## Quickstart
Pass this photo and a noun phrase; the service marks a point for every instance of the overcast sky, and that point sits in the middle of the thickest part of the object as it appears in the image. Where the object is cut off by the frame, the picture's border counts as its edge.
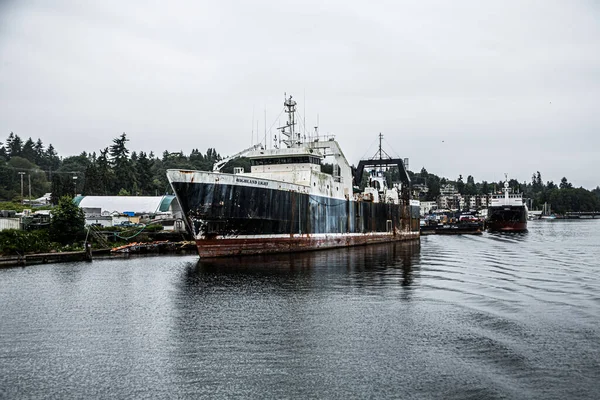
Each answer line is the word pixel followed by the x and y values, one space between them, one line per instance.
pixel 459 87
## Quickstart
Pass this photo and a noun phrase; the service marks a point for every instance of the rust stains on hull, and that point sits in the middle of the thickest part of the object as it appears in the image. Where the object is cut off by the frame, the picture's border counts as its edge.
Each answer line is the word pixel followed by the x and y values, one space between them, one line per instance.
pixel 210 248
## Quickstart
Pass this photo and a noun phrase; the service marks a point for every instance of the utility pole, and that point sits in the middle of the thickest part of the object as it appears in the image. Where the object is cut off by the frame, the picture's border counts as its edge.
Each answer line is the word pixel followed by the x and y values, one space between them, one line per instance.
pixel 21 173
pixel 75 184
pixel 29 179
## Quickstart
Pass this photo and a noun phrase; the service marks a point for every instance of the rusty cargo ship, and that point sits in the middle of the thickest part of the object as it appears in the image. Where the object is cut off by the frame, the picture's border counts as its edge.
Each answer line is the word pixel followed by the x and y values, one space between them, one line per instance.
pixel 286 203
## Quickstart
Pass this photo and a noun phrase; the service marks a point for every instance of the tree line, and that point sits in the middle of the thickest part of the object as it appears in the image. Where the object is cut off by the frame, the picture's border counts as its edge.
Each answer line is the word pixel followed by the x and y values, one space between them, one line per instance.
pixel 115 170
pixel 562 197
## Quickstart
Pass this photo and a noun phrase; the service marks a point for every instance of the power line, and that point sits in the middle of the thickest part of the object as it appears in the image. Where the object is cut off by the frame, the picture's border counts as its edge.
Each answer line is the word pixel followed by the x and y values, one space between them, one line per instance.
pixel 42 170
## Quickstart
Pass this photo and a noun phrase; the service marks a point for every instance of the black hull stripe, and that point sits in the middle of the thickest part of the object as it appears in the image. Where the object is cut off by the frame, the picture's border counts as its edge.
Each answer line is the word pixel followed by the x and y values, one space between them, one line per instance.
pixel 233 210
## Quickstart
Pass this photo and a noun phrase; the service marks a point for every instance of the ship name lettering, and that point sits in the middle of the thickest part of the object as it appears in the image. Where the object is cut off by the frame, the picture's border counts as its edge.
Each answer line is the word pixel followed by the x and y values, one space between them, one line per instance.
pixel 251 181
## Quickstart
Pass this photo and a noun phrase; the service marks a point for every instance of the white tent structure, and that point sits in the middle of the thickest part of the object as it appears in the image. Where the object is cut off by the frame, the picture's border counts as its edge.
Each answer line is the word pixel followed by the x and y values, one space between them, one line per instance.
pixel 113 210
pixel 138 205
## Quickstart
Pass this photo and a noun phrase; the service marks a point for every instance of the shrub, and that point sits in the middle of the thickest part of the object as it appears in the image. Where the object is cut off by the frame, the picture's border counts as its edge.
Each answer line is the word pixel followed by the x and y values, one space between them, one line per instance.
pixel 68 221
pixel 15 241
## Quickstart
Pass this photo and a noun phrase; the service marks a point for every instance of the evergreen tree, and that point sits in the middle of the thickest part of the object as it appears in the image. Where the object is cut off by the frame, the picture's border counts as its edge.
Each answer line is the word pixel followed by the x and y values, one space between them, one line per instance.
pixel 38 148
pixel 433 186
pixel 144 174
pixel 14 145
pixel 470 188
pixel 485 188
pixel 28 151
pixel 596 192
pixel 93 184
pixel 52 161
pixel 105 174
pixel 564 184
pixel 123 170
pixel 460 185
pixel 196 159
pixel 537 182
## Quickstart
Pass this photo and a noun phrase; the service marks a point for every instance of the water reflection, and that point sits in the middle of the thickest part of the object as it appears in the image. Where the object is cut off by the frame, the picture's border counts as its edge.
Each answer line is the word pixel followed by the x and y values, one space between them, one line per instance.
pixel 271 322
pixel 361 266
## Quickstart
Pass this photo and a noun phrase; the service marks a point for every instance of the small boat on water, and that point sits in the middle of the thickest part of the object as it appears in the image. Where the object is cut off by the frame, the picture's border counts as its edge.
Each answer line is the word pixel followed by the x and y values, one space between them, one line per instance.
pixel 507 212
pixel 467 224
pixel 547 212
pixel 287 203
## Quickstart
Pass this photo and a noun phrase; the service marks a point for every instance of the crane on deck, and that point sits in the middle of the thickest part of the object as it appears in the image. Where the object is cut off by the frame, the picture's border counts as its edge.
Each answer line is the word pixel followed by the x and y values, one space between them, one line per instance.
pixel 220 164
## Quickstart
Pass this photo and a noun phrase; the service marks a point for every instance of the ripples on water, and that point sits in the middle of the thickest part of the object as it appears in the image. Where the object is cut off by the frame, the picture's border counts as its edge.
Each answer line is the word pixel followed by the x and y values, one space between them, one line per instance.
pixel 489 316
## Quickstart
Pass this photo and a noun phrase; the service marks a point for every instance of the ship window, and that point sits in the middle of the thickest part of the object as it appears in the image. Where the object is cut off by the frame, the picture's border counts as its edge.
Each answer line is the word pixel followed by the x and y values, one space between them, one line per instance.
pixel 286 160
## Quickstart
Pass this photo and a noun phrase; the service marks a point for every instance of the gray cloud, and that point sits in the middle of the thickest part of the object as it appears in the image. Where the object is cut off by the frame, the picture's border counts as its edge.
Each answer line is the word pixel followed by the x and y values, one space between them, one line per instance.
pixel 464 87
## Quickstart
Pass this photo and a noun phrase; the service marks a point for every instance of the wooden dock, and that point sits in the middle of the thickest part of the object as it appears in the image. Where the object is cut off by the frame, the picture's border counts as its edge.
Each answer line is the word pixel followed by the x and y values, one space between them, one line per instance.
pixel 45 258
pixel 162 247
pixel 583 215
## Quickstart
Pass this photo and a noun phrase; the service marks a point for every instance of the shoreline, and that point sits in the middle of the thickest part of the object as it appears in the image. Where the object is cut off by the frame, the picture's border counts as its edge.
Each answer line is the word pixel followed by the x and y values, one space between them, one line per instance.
pixel 134 249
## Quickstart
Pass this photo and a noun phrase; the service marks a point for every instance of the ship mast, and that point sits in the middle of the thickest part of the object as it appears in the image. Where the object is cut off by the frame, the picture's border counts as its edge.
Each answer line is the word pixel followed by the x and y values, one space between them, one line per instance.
pixel 506 189
pixel 288 130
pixel 381 152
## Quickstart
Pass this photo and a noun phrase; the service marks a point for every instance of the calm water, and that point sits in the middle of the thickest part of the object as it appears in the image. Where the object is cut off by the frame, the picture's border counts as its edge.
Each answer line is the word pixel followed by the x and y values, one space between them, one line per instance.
pixel 491 316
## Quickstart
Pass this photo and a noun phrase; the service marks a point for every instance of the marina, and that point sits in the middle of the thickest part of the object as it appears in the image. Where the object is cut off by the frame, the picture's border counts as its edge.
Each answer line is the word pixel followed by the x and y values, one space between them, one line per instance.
pixel 308 200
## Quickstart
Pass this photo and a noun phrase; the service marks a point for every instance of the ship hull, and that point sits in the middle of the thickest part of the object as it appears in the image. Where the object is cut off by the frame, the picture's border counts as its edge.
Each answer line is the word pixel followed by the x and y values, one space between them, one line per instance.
pixel 231 216
pixel 269 244
pixel 507 219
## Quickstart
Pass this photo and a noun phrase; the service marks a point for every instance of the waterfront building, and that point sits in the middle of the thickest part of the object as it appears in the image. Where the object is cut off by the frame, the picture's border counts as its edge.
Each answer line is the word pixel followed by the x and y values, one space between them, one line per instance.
pixel 120 210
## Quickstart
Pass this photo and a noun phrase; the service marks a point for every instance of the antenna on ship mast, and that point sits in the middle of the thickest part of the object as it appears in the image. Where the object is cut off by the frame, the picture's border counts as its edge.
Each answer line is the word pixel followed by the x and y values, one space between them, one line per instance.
pixel 290 109
pixel 505 188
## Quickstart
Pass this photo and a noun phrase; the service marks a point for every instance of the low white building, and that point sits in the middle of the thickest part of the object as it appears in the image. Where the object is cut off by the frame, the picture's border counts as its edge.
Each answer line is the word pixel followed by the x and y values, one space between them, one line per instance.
pixel 427 207
pixel 9 222
pixel 114 210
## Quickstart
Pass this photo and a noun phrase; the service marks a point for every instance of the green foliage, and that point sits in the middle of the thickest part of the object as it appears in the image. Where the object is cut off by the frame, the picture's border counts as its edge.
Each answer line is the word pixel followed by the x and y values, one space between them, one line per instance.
pixel 12 205
pixel 18 242
pixel 68 221
pixel 243 162
pixel 570 199
pixel 153 228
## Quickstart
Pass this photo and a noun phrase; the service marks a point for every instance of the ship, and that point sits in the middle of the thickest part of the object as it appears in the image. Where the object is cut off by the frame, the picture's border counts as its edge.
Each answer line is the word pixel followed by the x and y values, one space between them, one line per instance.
pixel 507 211
pixel 289 201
